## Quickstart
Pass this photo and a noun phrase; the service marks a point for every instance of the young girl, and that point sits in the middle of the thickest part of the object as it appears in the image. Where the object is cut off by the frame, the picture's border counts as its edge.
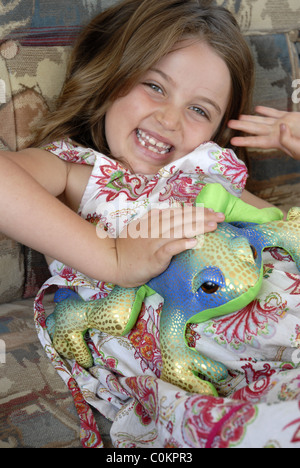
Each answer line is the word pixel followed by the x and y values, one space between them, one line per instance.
pixel 175 81
pixel 149 83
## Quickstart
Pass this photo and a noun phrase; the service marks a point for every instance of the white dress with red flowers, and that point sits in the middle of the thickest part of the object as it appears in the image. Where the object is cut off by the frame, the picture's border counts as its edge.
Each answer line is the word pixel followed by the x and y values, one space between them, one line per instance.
pixel 258 405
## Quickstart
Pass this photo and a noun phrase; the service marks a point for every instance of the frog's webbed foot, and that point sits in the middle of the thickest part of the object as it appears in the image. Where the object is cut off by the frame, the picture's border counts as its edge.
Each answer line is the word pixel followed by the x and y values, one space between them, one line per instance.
pixel 62 347
pixel 116 315
pixel 75 347
pixel 182 366
pixel 294 214
pixel 67 326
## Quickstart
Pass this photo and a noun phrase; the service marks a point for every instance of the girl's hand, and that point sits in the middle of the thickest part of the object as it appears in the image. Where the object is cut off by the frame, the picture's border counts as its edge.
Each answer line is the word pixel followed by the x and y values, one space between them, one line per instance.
pixel 270 129
pixel 146 247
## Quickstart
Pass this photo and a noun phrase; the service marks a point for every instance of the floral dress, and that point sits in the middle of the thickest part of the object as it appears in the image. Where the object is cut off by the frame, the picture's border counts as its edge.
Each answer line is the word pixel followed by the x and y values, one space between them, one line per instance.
pixel 258 404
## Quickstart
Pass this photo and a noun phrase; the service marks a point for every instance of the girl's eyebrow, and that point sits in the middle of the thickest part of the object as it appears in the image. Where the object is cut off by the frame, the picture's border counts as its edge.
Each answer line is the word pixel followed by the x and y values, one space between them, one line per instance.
pixel 201 98
pixel 164 75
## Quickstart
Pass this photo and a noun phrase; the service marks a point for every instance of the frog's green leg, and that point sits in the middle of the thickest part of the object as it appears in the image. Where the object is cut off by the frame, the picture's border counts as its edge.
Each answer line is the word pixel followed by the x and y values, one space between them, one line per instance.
pixel 62 347
pixel 182 365
pixel 117 313
pixel 79 349
pixel 70 326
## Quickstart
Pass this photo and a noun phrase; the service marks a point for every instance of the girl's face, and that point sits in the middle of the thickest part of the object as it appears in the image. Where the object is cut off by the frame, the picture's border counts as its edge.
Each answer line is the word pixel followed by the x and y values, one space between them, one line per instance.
pixel 177 105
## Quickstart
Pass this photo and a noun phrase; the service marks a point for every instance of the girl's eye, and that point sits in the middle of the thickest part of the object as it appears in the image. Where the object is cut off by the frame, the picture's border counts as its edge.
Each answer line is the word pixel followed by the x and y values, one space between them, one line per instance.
pixel 155 87
pixel 199 111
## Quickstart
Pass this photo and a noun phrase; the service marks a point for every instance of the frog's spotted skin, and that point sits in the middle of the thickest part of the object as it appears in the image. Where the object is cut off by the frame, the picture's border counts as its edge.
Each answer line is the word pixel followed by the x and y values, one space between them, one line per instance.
pixel 230 258
pixel 221 277
pixel 72 317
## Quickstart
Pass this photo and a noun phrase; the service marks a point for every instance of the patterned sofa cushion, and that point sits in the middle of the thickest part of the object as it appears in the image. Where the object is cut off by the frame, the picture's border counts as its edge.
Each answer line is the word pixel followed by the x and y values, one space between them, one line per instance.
pixel 11 269
pixel 35 40
pixel 32 77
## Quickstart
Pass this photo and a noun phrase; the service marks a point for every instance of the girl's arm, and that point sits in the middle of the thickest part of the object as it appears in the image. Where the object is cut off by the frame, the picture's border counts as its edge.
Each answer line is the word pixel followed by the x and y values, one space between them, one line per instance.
pixel 31 214
pixel 253 200
pixel 31 180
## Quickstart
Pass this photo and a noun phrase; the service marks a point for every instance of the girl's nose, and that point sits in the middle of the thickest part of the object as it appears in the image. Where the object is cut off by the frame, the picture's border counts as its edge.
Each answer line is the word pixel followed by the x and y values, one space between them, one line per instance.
pixel 169 117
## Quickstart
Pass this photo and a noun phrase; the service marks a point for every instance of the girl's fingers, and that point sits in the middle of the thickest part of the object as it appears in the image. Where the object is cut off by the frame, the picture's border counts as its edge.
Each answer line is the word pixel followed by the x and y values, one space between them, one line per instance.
pixel 189 221
pixel 270 112
pixel 155 238
pixel 175 246
pixel 260 125
pixel 252 142
pixel 244 142
pixel 250 126
pixel 168 250
pixel 258 119
pixel 290 144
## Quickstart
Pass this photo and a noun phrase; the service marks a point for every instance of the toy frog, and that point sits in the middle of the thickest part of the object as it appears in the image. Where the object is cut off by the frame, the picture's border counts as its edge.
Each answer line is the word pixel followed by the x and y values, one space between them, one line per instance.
pixel 222 276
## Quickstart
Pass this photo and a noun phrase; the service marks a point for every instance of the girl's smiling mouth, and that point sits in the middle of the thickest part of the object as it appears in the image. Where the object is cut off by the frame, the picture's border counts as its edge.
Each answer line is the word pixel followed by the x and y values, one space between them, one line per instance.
pixel 153 144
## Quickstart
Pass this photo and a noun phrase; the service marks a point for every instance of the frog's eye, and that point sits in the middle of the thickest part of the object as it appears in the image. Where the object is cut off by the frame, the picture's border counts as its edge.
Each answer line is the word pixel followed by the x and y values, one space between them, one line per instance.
pixel 209 287
pixel 208 280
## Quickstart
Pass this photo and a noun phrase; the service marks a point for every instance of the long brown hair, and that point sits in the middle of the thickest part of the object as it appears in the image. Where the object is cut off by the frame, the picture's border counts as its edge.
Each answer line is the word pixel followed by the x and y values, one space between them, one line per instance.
pixel 119 45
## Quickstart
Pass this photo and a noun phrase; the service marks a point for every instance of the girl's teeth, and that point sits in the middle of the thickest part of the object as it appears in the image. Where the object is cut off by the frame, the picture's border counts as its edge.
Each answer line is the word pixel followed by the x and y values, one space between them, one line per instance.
pixel 153 145
pixel 155 150
pixel 151 141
